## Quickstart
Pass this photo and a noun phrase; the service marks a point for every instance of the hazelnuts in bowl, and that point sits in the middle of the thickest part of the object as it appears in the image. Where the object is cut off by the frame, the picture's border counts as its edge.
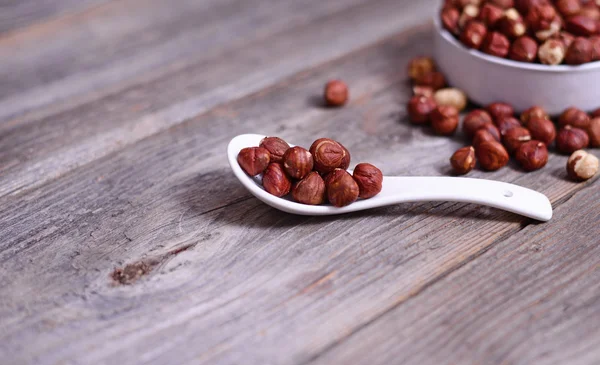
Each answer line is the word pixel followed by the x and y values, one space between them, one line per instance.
pixel 312 176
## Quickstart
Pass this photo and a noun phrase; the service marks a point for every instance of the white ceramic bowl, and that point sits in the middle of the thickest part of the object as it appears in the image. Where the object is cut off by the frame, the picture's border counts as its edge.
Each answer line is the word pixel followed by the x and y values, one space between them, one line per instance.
pixel 487 79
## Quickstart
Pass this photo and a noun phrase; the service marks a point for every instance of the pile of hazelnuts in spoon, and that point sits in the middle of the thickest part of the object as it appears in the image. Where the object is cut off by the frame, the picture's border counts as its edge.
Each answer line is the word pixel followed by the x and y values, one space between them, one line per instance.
pixel 313 176
pixel 544 31
pixel 494 131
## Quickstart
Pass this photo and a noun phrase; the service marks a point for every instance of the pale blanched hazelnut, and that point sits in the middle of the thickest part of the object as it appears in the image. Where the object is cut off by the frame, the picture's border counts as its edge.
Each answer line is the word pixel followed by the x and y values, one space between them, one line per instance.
pixel 582 165
pixel 451 97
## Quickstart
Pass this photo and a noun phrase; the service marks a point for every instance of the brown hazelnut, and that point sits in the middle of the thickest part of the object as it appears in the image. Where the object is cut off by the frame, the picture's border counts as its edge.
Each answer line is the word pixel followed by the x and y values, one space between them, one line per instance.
pixel 341 188
pixel 575 118
pixel 426 91
pixel 483 135
pixel 581 26
pixel 419 67
pixel 276 147
pixel 595 40
pixel 523 6
pixel 310 190
pixel 450 16
pixel 566 38
pixel 327 155
pixel 298 162
pixel 369 180
pixel 499 110
pixel 444 120
pixel 469 13
pixel 434 80
pixel 579 52
pixel 568 7
pixel 253 160
pixel 532 155
pixel 346 159
pixel 336 93
pixel 582 166
pixel 593 132
pixel 496 44
pixel 511 24
pixel 503 4
pixel 514 137
pixel 451 96
pixel 507 123
pixel 540 17
pixel 570 139
pixel 552 52
pixel 419 109
pixel 542 130
pixel 275 181
pixel 524 49
pixel 491 155
pixel 535 112
pixel 590 10
pixel 490 14
pixel 596 113
pixel 475 120
pixel 473 34
pixel 463 160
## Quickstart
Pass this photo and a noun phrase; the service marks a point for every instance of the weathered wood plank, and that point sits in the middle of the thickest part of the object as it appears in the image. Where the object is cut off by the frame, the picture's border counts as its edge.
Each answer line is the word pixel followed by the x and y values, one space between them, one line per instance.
pixel 532 299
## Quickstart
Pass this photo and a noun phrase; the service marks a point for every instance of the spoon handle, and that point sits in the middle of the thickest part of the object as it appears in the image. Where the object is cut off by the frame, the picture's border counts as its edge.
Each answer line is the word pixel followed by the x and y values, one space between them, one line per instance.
pixel 510 197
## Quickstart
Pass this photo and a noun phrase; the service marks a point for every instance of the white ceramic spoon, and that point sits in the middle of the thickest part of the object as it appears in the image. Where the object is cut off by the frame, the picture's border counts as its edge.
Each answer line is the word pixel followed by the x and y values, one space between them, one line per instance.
pixel 510 197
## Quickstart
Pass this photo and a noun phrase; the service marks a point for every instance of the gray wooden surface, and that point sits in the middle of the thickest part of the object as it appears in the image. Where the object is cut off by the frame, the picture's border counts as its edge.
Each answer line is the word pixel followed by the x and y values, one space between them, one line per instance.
pixel 124 237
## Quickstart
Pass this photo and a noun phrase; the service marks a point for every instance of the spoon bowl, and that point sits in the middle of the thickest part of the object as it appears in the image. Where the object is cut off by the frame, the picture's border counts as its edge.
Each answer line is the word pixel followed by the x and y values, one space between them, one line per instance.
pixel 404 189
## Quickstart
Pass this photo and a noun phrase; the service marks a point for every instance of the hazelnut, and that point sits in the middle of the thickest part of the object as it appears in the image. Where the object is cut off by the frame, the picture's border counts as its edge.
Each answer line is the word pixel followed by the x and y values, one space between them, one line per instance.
pixel 275 181
pixel 590 10
pixel 524 5
pixel 552 52
pixel 336 93
pixel 593 132
pixel 419 109
pixel 507 123
pixel 327 155
pixel 483 135
pixel 566 39
pixel 419 67
pixel 551 32
pixel 475 120
pixel 532 155
pixel 496 44
pixel 499 110
pixel 524 49
pixel 582 166
pixel 450 18
pixel 298 162
pixel 473 34
pixel 310 190
pixel 580 25
pixel 463 160
pixel 423 91
pixel 491 155
pixel 341 188
pixel 570 139
pixel 535 112
pixel 346 159
pixel 369 180
pixel 434 80
pixel 596 113
pixel 595 40
pixel 469 13
pixel 444 120
pixel 276 147
pixel 568 7
pixel 254 160
pixel 451 96
pixel 511 24
pixel 490 14
pixel 575 118
pixel 514 137
pixel 542 130
pixel 579 52
pixel 503 4
pixel 540 17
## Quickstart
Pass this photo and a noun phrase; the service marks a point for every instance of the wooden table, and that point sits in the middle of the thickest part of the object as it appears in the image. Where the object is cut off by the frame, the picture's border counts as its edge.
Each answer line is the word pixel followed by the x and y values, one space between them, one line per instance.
pixel 125 238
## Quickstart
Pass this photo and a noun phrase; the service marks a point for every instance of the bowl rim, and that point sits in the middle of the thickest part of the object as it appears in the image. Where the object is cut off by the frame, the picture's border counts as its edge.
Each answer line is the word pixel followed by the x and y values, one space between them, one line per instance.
pixel 448 37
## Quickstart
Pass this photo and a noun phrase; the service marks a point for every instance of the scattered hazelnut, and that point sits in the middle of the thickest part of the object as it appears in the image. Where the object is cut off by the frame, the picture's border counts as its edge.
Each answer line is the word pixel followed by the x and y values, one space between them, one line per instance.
pixel 582 166
pixel 511 24
pixel 450 17
pixel 507 123
pixel 276 147
pixel 490 14
pixel 369 180
pixel 463 160
pixel 475 120
pixel 310 190
pixel 275 181
pixel 419 67
pixel 524 49
pixel 473 34
pixel 514 137
pixel 327 155
pixel 593 132
pixel 499 110
pixel 581 25
pixel 298 162
pixel 575 118
pixel 336 93
pixel 579 52
pixel 496 44
pixel 451 96
pixel 568 7
pixel 434 80
pixel 419 109
pixel 254 160
pixel 346 159
pixel 552 52
pixel 483 135
pixel 535 112
pixel 542 130
pixel 532 155
pixel 491 155
pixel 469 13
pixel 423 91
pixel 444 120
pixel 570 139
pixel 341 188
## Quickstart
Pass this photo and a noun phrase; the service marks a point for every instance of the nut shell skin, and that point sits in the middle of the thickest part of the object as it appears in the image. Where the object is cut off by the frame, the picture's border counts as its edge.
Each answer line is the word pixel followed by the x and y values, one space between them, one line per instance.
pixel 335 93
pixel 328 155
pixel 582 166
pixel 444 120
pixel 492 156
pixel 535 112
pixel 500 110
pixel 310 190
pixel 575 118
pixel 419 109
pixel 276 147
pixel 254 160
pixel 594 132
pixel 524 49
pixel 542 130
pixel 450 17
pixel 505 124
pixel 580 52
pixel 514 137
pixel 473 34
pixel 341 188
pixel 275 181
pixel 532 155
pixel 475 120
pixel 369 180
pixel 463 160
pixel 569 140
pixel 496 44
pixel 483 135
pixel 418 67
pixel 297 162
